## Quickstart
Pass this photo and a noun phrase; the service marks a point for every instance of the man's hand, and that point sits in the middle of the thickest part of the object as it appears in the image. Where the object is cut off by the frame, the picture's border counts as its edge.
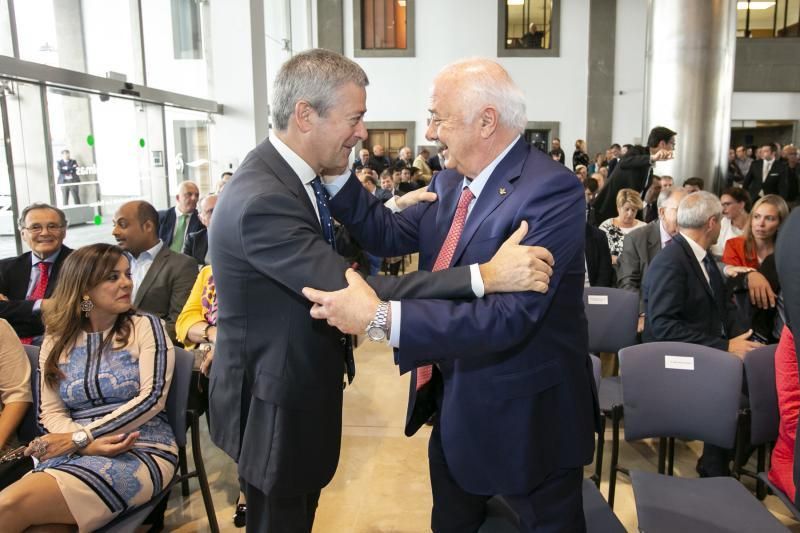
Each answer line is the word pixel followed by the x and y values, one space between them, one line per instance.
pixel 733 271
pixel 661 155
pixel 414 197
pixel 208 358
pixel 350 309
pixel 640 324
pixel 740 345
pixel 3 297
pixel 516 267
pixel 761 294
pixel 111 445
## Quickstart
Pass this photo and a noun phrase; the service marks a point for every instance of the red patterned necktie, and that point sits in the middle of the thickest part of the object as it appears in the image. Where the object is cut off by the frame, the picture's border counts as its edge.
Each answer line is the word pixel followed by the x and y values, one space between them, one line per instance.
pixel 424 373
pixel 38 291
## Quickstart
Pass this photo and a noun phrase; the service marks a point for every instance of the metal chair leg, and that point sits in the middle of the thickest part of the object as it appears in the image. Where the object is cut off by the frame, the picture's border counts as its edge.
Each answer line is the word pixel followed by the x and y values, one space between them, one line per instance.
pixel 761 487
pixel 616 415
pixel 601 439
pixel 200 468
pixel 662 455
pixel 671 455
pixel 183 470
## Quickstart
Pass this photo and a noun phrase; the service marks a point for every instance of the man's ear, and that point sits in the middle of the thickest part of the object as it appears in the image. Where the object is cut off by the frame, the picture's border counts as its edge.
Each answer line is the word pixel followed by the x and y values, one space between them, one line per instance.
pixel 489 120
pixel 304 116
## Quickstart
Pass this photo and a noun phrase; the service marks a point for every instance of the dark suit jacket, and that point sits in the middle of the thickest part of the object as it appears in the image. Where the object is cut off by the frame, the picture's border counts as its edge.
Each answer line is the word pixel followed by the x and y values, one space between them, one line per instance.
pixel 511 376
pixel 787 261
pixel 15 275
pixel 433 162
pixel 379 164
pixel 777 182
pixel 598 258
pixel 166 287
pixel 166 225
pixel 383 194
pixel 638 250
pixel 196 245
pixel 679 301
pixel 631 172
pixel 276 383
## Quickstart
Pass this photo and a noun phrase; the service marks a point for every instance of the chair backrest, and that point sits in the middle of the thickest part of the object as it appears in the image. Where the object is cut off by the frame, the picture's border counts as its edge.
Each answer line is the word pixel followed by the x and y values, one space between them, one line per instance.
pixel 178 398
pixel 596 370
pixel 612 315
pixel 28 429
pixel 759 372
pixel 675 389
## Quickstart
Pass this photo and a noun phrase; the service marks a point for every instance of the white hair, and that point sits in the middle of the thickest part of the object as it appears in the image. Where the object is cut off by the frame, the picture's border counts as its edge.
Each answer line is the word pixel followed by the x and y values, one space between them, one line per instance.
pixel 695 210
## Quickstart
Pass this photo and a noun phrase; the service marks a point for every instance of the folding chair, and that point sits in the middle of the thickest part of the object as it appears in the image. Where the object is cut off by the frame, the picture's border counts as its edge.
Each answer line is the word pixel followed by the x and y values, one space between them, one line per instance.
pixel 689 392
pixel 759 372
pixel 613 315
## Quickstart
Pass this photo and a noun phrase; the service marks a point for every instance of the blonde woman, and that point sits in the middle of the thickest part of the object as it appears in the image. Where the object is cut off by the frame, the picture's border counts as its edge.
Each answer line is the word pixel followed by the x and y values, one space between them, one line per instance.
pixel 629 202
pixel 760 233
pixel 105 374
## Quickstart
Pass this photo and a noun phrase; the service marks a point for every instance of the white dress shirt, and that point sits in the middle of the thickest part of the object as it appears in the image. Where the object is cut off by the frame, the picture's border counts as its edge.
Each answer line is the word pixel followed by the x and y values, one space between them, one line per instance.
pixel 699 254
pixel 300 167
pixel 140 265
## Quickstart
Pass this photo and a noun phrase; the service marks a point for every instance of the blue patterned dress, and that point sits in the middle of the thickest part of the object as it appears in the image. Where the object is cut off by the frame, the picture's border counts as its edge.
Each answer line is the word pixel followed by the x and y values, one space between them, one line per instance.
pixel 121 391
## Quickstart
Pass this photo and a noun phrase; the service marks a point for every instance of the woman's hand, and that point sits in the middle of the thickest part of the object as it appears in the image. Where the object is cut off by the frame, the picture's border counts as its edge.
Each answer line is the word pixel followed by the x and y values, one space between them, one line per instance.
pixel 50 445
pixel 111 445
pixel 208 358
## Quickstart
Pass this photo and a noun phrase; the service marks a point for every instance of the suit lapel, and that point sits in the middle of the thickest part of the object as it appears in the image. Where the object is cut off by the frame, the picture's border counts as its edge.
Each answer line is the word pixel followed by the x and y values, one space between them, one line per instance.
pixel 449 190
pixel 19 277
pixel 497 189
pixel 284 173
pixel 159 262
pixel 51 284
pixel 654 240
pixel 695 265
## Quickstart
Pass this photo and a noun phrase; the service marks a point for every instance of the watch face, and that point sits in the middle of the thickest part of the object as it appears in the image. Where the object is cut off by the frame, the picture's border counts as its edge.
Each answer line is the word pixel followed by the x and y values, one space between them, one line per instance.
pixel 376 334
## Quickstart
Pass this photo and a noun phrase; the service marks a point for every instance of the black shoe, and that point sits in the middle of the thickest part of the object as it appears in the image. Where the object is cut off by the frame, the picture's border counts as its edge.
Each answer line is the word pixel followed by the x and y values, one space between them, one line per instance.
pixel 240 518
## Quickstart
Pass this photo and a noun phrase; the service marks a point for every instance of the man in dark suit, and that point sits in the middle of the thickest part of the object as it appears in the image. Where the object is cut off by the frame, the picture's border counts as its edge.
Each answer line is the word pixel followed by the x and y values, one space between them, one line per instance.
pixel 175 223
pixel 379 161
pixel 68 173
pixel 162 279
pixel 196 244
pixel 641 246
pixel 767 176
pixel 686 301
pixel 362 160
pixel 500 374
pixel 599 270
pixel 634 171
pixel 436 162
pixel 276 382
pixel 614 153
pixel 28 280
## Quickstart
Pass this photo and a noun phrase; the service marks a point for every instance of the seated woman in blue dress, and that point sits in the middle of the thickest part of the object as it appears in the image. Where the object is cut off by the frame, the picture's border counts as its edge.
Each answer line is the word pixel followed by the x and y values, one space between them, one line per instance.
pixel 105 372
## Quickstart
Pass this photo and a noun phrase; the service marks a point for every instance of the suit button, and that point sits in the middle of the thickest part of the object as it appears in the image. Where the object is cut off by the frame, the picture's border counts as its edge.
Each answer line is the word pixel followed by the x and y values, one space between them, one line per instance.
pixel 343 340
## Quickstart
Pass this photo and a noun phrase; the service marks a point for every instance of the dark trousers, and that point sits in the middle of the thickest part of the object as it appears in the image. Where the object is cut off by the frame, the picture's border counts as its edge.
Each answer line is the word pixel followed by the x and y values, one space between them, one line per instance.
pixel 275 514
pixel 554 506
pixel 73 189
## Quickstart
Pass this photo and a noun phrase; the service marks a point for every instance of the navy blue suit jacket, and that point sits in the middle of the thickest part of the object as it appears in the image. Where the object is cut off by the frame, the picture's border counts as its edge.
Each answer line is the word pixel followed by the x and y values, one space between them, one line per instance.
pixel 166 225
pixel 679 303
pixel 518 399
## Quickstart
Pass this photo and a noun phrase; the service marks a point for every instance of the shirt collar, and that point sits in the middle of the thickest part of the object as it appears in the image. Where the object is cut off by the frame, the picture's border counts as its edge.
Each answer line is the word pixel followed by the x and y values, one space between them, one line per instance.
pixel 699 253
pixel 479 182
pixel 665 236
pixel 179 213
pixel 298 164
pixel 49 259
pixel 151 253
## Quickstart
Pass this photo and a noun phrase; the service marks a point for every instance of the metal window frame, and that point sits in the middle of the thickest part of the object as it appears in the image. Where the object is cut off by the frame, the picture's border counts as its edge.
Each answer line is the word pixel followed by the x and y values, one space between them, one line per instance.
pixel 358 27
pixel 555 34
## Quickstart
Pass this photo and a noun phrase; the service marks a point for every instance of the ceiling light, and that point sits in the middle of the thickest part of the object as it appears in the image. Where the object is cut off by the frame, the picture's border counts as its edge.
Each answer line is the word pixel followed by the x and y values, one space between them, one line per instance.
pixel 742 6
pixel 515 2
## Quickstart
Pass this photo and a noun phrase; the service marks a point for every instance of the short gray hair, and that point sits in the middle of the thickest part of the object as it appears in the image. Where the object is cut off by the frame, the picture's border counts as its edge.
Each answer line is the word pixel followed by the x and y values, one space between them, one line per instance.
pixel 313 76
pixel 666 194
pixel 40 205
pixel 695 210
pixel 487 88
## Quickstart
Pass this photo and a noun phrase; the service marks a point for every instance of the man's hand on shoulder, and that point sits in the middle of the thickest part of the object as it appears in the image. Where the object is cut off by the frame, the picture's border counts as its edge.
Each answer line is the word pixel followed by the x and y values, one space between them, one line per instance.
pixel 414 197
pixel 516 267
pixel 350 309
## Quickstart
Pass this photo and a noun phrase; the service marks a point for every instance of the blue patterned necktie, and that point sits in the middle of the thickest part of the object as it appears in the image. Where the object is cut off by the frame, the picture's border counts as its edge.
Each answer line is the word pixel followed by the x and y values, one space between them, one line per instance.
pixel 326 221
pixel 325 218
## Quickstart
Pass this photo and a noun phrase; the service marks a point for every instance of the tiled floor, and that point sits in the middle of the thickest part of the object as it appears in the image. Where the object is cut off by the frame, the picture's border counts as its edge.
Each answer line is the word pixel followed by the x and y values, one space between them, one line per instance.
pixel 382 484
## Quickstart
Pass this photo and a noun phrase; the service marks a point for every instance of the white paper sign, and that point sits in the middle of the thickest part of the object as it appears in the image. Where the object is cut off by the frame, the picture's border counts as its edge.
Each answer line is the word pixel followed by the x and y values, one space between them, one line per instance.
pixel 677 362
pixel 598 299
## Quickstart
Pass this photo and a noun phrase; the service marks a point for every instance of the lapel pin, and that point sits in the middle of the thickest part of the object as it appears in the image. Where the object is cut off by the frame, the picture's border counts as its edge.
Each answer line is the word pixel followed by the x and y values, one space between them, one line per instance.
pixel 502 191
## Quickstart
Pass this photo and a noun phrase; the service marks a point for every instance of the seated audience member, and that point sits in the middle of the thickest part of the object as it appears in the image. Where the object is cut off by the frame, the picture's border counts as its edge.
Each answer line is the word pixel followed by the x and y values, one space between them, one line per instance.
pixel 196 244
pixel 361 161
pixel 223 180
pixel 787 258
pixel 686 301
pixel 15 399
pixel 599 271
pixel 379 161
pixel 758 240
pixel 175 223
pixel 397 180
pixel 28 280
pixel 407 181
pixel 196 328
pixel 404 157
pixel 105 374
pixel 735 207
pixel 641 246
pixel 598 162
pixel 628 204
pixel 387 183
pixel 579 156
pixel 693 185
pixel 162 279
pixel 421 164
pixel 367 179
pixel 600 178
pixel 666 182
pixel 437 162
pixel 590 191
pixel 581 172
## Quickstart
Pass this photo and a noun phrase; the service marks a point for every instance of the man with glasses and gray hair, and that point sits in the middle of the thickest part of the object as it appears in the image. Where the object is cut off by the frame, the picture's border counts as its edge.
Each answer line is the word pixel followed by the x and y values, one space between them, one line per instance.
pixel 684 294
pixel 26 281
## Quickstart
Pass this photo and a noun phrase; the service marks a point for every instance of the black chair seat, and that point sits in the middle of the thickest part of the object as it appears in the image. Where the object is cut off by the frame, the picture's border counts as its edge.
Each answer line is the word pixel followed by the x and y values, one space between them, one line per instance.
pixel 720 504
pixel 610 393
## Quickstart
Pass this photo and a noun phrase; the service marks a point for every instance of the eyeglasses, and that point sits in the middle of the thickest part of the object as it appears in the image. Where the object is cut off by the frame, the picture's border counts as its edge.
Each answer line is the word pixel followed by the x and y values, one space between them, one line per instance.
pixel 38 228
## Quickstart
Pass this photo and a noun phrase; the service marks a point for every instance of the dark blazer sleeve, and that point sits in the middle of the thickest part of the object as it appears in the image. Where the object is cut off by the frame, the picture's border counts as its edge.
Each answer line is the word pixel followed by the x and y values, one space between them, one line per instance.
pixel 598 258
pixel 166 225
pixel 787 261
pixel 665 301
pixel 14 279
pixel 183 272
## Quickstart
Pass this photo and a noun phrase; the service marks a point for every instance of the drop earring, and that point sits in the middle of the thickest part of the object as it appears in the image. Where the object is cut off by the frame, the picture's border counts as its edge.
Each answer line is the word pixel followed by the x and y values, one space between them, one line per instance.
pixel 86 305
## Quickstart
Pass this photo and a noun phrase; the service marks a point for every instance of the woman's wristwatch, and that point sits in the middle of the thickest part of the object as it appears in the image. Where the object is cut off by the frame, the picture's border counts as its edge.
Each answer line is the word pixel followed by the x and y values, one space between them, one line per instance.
pixel 205 332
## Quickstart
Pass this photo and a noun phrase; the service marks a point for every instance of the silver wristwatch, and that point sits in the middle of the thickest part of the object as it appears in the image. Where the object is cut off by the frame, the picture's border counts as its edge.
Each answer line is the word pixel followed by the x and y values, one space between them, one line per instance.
pixel 80 439
pixel 378 329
